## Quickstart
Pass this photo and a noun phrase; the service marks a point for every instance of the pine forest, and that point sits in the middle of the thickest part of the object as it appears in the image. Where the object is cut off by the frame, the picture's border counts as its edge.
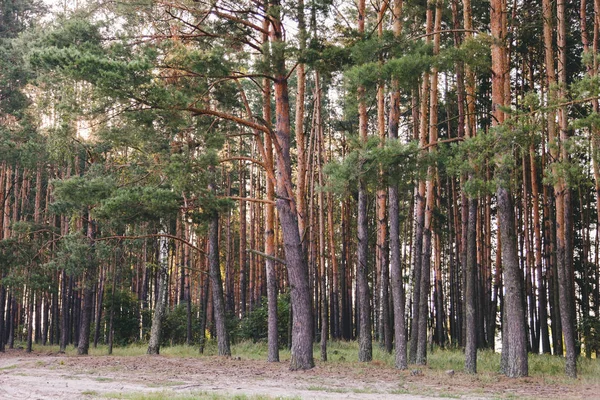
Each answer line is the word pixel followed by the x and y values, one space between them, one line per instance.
pixel 412 175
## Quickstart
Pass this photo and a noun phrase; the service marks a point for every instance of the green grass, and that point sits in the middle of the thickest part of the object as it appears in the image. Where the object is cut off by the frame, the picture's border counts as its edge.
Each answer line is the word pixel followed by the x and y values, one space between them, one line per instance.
pixel 340 352
pixel 189 396
pixel 326 389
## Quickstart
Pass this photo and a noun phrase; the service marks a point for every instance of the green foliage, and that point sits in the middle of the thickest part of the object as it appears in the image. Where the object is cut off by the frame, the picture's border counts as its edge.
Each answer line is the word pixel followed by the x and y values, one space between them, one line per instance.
pixel 125 319
pixel 174 328
pixel 81 191
pixel 133 204
pixel 254 326
pixel 410 61
pixel 326 58
pixel 400 163
pixel 75 254
pixel 590 327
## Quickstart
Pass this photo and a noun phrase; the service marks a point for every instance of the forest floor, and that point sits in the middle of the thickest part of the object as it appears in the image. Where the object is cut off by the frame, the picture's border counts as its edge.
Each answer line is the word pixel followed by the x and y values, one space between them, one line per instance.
pixel 50 375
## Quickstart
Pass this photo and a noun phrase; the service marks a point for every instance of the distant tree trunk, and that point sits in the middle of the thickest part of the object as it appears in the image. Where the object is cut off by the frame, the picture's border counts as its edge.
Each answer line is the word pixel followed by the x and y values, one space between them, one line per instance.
pixel 243 245
pixel 46 317
pixel 345 288
pixel 204 308
pixel 161 303
pixel 2 317
pixel 12 306
pixel 111 327
pixel 30 305
pixel 83 343
pixel 99 304
pixel 3 200
pixel 217 286
pixel 336 274
pixel 64 337
pixel 321 203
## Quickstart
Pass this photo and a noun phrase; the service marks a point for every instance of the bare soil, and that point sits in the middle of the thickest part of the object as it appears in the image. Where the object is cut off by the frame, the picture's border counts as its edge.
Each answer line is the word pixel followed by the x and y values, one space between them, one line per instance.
pixel 56 376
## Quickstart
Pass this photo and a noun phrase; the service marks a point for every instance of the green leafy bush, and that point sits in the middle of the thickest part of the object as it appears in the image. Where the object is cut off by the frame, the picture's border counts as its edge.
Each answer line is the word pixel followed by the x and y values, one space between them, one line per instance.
pixel 174 329
pixel 125 319
pixel 255 325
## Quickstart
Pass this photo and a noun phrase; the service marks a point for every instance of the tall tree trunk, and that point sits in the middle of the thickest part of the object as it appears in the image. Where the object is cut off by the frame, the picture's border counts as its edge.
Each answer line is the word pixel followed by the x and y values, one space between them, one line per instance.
pixel 302 331
pixel 382 266
pixel 398 294
pixel 563 209
pixel 419 246
pixel 323 270
pixel 273 334
pixel 428 225
pixel 514 358
pixel 299 128
pixel 365 349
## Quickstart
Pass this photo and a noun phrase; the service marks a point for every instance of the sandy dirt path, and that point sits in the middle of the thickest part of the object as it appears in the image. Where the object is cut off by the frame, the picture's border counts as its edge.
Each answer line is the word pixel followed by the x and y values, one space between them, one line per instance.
pixel 54 376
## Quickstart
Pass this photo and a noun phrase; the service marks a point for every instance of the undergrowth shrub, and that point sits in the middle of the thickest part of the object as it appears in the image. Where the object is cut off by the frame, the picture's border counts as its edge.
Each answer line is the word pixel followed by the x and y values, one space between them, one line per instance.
pixel 254 326
pixel 125 319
